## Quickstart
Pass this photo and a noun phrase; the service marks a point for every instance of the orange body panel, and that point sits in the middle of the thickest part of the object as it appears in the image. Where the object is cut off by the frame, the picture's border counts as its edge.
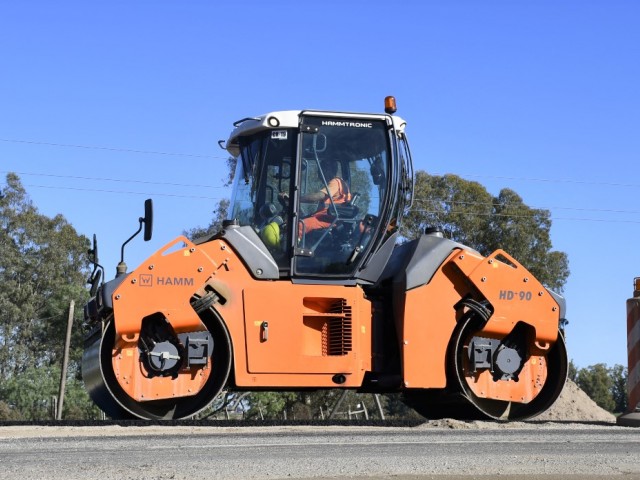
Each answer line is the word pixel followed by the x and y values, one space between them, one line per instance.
pixel 305 329
pixel 135 380
pixel 430 320
pixel 297 350
pixel 164 283
pixel 515 294
pixel 296 335
pixel 532 378
pixel 427 326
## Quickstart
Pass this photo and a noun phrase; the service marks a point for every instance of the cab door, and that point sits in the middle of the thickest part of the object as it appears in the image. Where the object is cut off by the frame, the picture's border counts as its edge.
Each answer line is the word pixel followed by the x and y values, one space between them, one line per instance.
pixel 354 154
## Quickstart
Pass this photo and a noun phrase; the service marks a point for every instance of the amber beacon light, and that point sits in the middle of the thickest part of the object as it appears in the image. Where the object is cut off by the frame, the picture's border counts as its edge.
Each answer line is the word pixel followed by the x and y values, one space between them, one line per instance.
pixel 390 105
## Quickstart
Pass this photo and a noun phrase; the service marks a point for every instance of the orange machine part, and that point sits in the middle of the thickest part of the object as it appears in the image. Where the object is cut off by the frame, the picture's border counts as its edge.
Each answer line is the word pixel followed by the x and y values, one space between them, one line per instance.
pixel 306 333
pixel 515 294
pixel 304 323
pixel 532 378
pixel 164 283
pixel 139 385
pixel 290 352
pixel 427 326
pixel 429 318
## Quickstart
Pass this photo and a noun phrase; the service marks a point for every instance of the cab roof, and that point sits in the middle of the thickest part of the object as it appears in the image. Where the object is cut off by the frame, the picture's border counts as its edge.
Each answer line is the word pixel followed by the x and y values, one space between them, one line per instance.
pixel 291 119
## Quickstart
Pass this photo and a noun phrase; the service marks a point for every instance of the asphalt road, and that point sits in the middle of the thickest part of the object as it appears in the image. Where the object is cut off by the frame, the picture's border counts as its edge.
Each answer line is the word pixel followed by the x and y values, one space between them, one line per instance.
pixel 547 451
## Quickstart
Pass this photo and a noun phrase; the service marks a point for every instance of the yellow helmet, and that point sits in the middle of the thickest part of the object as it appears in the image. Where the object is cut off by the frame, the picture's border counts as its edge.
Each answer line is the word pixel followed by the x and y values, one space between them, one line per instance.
pixel 270 235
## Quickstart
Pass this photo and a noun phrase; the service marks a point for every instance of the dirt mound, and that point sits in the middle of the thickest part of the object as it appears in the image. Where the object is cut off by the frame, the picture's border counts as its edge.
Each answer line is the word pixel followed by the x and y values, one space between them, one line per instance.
pixel 575 405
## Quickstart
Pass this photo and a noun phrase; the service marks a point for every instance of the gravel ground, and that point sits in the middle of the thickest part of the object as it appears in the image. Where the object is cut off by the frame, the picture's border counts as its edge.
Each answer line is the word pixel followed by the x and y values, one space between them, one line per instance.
pixel 573 408
pixel 575 439
pixel 179 453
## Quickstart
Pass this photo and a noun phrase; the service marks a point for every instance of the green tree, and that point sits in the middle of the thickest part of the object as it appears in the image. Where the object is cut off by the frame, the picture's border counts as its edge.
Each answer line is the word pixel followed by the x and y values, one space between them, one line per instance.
pixel 596 382
pixel 320 404
pixel 619 377
pixel 269 405
pixel 573 371
pixel 469 214
pixel 459 207
pixel 317 405
pixel 43 266
pixel 395 407
pixel 605 386
pixel 30 396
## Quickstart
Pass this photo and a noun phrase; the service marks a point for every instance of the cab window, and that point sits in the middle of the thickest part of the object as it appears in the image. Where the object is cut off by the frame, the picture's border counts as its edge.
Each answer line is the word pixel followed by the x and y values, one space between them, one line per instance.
pixel 342 185
pixel 263 173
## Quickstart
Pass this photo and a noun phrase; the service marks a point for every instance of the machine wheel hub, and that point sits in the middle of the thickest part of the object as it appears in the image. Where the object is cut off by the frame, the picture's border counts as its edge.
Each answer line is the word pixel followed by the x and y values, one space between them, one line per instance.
pixel 163 357
pixel 508 360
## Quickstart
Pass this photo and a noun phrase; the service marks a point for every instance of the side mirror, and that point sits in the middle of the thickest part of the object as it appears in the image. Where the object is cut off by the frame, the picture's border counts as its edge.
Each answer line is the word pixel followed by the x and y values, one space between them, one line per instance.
pixel 96 275
pixel 148 219
pixel 93 252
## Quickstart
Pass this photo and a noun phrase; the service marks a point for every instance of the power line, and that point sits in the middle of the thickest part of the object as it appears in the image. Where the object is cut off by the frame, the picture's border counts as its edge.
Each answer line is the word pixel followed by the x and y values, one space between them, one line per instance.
pixel 120 192
pixel 122 180
pixel 545 180
pixel 123 192
pixel 418 199
pixel 110 149
pixel 512 215
pixel 508 205
pixel 466 175
pixel 187 185
pixel 554 218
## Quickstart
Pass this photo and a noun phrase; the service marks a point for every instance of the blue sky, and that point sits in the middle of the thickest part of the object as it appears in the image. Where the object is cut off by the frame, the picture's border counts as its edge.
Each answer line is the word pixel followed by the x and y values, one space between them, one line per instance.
pixel 538 96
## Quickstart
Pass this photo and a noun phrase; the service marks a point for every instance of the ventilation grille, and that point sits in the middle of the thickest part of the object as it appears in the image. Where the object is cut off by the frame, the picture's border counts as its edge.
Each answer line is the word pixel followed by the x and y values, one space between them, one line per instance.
pixel 340 331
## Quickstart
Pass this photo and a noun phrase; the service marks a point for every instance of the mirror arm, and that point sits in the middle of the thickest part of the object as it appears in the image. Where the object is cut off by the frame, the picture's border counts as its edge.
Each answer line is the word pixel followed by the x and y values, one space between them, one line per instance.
pixel 147 220
pixel 141 220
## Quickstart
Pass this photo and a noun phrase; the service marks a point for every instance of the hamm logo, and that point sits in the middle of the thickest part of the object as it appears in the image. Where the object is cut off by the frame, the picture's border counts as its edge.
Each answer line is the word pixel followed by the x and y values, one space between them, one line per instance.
pixel 146 280
pixel 174 281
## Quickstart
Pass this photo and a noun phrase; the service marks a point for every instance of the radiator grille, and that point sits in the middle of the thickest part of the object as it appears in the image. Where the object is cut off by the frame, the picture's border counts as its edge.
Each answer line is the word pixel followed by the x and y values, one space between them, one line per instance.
pixel 340 332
